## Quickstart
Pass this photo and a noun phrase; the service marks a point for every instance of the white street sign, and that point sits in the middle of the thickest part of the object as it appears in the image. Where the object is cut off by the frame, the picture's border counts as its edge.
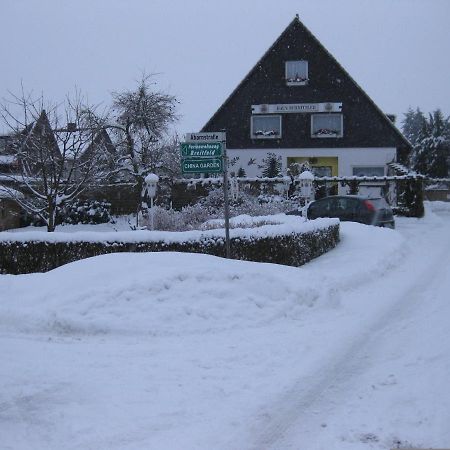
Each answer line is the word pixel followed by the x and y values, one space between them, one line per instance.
pixel 212 136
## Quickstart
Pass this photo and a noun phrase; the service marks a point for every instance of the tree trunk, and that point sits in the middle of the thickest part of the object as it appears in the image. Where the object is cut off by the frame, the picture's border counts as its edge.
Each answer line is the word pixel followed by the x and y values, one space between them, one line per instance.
pixel 140 185
pixel 51 218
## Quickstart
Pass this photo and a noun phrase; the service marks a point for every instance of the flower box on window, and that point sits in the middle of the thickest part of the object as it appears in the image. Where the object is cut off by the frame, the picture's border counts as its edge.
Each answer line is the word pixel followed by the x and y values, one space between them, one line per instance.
pixel 326 132
pixel 267 133
pixel 326 126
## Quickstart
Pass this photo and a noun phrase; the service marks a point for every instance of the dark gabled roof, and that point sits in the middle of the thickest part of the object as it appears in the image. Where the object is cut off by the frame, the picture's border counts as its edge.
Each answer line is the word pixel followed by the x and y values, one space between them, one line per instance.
pixel 42 128
pixel 101 140
pixel 250 73
pixel 295 26
pixel 363 92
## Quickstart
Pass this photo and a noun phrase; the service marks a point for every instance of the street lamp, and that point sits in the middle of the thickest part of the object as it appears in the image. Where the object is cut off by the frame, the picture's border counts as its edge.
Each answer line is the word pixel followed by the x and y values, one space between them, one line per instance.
pixel 151 181
pixel 306 179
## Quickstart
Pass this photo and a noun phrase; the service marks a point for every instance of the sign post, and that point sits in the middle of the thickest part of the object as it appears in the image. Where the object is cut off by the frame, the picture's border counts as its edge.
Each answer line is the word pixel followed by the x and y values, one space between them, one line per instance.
pixel 207 153
pixel 225 197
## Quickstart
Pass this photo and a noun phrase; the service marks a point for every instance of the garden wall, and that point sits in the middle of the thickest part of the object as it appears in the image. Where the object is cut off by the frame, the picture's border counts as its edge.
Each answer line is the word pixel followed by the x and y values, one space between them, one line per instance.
pixel 291 243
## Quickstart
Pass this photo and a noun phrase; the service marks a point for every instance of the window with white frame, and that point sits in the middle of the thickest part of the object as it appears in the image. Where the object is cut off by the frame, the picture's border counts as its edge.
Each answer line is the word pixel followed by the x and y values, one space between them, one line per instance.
pixel 266 127
pixel 326 125
pixel 296 73
pixel 368 171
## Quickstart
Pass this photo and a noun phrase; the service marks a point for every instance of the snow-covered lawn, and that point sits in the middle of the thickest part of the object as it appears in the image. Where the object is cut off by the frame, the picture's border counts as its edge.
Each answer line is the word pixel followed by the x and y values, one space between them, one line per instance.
pixel 173 351
pixel 119 223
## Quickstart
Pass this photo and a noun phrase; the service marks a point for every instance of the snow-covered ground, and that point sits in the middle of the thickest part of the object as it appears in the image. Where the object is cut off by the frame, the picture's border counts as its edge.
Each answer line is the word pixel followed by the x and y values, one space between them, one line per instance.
pixel 118 223
pixel 177 351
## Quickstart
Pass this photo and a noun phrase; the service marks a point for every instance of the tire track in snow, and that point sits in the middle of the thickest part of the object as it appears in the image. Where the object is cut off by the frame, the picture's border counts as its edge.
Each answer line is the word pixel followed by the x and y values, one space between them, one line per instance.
pixel 297 407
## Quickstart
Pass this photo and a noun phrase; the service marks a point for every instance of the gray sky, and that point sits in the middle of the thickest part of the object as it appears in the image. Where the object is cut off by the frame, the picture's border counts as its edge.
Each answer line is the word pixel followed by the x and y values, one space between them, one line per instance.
pixel 397 50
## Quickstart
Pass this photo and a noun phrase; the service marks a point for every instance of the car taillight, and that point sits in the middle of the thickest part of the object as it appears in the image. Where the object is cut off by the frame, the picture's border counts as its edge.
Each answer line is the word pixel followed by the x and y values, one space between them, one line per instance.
pixel 369 205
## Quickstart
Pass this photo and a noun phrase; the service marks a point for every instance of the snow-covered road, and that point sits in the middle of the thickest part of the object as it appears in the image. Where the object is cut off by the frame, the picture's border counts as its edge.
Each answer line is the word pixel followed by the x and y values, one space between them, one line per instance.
pixel 171 351
pixel 387 386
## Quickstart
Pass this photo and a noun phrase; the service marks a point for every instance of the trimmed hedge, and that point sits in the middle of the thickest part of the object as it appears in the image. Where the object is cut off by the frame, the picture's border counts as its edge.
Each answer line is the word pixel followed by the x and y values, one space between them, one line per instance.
pixel 293 249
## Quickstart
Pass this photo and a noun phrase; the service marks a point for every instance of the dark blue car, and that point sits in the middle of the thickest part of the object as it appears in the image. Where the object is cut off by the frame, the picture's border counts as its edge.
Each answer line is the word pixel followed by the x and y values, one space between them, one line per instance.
pixel 354 208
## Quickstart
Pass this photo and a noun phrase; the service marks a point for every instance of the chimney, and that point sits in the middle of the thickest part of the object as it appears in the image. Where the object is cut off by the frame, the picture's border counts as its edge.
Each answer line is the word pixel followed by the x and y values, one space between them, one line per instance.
pixel 391 117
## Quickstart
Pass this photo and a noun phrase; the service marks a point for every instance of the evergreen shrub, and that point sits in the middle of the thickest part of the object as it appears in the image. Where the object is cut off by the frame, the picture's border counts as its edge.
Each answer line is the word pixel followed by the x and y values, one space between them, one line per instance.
pixel 411 199
pixel 85 212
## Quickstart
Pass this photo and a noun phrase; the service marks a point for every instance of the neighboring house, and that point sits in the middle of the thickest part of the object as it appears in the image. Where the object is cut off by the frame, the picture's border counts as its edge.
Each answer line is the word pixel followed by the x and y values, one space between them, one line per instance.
pixel 100 150
pixel 35 136
pixel 301 105
pixel 8 159
pixel 10 211
pixel 11 214
pixel 102 146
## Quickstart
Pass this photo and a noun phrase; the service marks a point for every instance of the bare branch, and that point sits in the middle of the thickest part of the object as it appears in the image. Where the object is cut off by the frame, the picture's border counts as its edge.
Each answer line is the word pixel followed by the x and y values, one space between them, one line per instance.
pixel 55 160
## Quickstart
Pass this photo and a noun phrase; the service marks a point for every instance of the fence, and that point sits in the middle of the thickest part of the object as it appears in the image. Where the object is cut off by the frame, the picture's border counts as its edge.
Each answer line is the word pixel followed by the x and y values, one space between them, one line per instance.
pixel 403 192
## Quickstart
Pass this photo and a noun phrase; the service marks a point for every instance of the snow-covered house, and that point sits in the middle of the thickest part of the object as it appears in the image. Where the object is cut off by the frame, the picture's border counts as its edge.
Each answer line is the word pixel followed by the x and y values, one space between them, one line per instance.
pixel 19 173
pixel 10 212
pixel 8 159
pixel 300 104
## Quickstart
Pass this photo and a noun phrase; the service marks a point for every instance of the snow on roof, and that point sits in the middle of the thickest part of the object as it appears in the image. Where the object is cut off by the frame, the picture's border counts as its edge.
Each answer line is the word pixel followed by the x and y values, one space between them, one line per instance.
pixel 306 175
pixel 400 168
pixel 151 178
pixel 8 193
pixel 8 159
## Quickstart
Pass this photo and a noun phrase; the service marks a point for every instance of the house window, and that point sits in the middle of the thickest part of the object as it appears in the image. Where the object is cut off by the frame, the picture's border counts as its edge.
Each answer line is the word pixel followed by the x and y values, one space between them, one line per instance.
pixel 266 127
pixel 296 73
pixel 322 171
pixel 326 126
pixel 368 171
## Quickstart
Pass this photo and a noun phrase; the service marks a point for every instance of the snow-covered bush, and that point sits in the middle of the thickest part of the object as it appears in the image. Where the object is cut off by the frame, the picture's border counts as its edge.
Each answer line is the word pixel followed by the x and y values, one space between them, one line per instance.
pixel 243 221
pixel 86 212
pixel 246 203
pixel 212 207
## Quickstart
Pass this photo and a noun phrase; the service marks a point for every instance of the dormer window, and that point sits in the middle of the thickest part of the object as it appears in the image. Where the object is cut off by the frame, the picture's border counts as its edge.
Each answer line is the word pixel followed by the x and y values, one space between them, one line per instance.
pixel 296 73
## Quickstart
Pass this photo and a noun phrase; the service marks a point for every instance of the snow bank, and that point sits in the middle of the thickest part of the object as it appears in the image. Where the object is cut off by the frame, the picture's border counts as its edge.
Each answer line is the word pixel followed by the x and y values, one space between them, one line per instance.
pixel 178 293
pixel 437 206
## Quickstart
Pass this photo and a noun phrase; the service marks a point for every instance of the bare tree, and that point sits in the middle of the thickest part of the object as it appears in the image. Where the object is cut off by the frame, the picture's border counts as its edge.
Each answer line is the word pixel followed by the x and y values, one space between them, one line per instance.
pixel 140 120
pixel 50 142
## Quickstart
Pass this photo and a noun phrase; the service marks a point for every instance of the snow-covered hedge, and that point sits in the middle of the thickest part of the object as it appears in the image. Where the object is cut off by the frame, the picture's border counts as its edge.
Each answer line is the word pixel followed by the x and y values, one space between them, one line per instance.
pixel 283 240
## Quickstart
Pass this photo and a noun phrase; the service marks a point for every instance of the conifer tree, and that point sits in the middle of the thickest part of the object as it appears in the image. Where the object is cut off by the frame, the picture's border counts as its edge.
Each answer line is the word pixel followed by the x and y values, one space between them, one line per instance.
pixel 431 142
pixel 413 124
pixel 271 166
pixel 241 173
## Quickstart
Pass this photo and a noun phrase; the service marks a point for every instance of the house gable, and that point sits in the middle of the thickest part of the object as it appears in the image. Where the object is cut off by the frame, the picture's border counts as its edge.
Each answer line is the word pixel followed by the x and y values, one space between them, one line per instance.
pixel 40 135
pixel 364 125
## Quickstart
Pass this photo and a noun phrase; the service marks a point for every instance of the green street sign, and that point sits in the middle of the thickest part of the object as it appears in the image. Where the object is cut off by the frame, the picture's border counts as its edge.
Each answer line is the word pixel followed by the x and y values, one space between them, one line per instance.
pixel 201 149
pixel 201 165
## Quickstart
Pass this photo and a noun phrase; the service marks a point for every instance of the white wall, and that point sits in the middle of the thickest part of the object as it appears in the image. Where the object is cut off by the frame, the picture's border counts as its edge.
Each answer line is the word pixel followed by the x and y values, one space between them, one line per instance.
pixel 347 158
